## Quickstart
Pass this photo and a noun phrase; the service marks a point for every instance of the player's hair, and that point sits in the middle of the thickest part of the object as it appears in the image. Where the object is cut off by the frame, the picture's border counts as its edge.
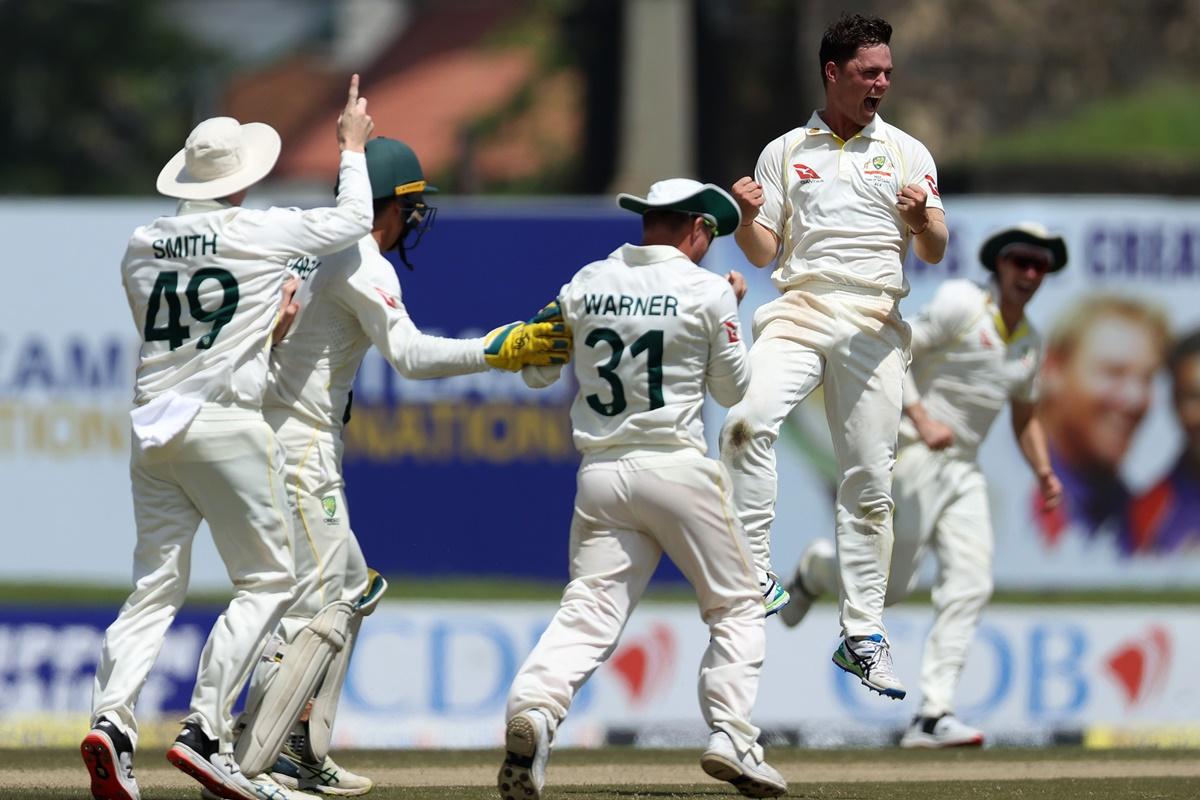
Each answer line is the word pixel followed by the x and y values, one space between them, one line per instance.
pixel 666 218
pixel 1185 347
pixel 1089 311
pixel 380 204
pixel 851 31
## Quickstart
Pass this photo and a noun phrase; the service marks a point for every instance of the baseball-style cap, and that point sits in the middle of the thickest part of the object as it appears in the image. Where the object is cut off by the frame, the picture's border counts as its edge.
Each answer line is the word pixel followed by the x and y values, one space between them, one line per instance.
pixel 394 169
pixel 1027 234
pixel 689 197
pixel 220 157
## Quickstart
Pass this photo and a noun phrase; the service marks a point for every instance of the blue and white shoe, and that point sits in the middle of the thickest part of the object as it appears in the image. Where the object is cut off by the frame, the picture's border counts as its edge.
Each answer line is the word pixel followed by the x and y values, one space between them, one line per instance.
pixel 870 658
pixel 775 597
pixel 527 749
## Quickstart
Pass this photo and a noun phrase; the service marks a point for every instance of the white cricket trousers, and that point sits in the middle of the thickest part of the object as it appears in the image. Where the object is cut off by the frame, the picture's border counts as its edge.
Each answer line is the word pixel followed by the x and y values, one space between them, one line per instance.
pixel 225 468
pixel 941 504
pixel 628 512
pixel 329 563
pixel 854 341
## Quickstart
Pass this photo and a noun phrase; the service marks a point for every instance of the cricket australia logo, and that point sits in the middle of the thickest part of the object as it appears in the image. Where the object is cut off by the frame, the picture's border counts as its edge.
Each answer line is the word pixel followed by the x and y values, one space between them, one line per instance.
pixel 329 504
pixel 878 171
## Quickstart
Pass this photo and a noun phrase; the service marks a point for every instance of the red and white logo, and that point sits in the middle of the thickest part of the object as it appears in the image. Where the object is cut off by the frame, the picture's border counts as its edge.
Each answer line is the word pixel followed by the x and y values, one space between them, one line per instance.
pixel 932 185
pixel 731 330
pixel 806 172
pixel 985 340
pixel 390 299
pixel 1140 667
pixel 644 664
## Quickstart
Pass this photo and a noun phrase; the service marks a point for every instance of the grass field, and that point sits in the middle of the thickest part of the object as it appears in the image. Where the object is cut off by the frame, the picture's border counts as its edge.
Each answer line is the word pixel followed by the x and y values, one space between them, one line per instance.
pixel 628 774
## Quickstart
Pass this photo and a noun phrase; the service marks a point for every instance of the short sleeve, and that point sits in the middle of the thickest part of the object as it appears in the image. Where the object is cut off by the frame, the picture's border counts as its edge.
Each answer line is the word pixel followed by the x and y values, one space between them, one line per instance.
pixel 955 307
pixel 922 170
pixel 769 173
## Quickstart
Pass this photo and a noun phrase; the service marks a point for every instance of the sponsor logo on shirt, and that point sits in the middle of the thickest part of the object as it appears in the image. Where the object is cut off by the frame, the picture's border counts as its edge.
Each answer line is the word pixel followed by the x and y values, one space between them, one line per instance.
pixel 985 340
pixel 806 173
pixel 390 299
pixel 731 330
pixel 932 185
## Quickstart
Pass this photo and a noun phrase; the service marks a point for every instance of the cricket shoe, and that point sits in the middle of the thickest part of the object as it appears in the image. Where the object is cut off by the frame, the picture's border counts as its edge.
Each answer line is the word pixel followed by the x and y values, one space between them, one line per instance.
pixel 195 754
pixel 752 778
pixel 108 754
pixel 267 788
pixel 774 595
pixel 870 658
pixel 527 749
pixel 326 777
pixel 937 732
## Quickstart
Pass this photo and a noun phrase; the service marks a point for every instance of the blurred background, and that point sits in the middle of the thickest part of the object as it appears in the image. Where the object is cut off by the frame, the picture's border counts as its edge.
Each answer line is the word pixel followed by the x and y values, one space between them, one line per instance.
pixel 529 116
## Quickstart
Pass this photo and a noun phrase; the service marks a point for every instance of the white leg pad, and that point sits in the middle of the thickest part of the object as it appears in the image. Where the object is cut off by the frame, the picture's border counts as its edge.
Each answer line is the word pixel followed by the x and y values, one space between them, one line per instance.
pixel 300 671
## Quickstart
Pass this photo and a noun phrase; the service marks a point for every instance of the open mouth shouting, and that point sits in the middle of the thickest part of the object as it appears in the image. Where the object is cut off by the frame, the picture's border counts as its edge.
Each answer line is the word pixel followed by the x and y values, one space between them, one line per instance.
pixel 871 103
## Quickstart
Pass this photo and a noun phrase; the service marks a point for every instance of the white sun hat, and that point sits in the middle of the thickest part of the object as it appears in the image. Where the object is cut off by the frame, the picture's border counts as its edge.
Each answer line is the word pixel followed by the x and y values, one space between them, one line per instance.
pixel 221 157
pixel 689 197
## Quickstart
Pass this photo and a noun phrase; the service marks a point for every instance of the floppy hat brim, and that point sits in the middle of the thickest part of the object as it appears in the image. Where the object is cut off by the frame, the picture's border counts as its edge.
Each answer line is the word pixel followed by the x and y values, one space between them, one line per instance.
pixel 262 146
pixel 711 201
pixel 989 253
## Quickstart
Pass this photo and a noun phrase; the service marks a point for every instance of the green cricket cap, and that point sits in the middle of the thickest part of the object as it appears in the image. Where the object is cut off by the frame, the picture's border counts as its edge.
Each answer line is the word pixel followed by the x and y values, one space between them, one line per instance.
pixel 394 169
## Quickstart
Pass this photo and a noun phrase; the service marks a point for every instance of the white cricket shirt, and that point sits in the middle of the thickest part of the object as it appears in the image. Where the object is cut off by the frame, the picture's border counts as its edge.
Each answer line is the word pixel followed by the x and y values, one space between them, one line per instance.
pixel 832 203
pixel 349 301
pixel 652 331
pixel 966 364
pixel 204 287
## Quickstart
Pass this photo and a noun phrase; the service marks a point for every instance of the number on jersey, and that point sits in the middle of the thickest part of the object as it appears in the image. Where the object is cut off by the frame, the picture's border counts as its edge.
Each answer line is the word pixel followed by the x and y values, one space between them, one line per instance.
pixel 174 332
pixel 650 342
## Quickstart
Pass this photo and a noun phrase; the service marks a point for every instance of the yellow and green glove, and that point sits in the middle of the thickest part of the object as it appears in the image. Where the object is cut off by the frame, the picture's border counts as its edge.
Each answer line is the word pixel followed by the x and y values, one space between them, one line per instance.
pixel 545 339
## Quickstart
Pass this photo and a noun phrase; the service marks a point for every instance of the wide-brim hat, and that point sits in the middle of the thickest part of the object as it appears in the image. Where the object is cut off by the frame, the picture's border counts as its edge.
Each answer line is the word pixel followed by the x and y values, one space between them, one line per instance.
pixel 1026 233
pixel 689 197
pixel 394 169
pixel 221 157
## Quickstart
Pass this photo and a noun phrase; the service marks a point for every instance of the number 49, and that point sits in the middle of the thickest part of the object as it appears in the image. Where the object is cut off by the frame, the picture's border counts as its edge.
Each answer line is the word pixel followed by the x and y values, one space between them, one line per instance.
pixel 167 286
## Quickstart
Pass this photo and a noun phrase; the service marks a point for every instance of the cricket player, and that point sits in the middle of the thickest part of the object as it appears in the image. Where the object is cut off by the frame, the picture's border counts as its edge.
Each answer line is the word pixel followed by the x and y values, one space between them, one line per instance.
pixel 973 351
pixel 652 331
pixel 836 204
pixel 348 301
pixel 204 288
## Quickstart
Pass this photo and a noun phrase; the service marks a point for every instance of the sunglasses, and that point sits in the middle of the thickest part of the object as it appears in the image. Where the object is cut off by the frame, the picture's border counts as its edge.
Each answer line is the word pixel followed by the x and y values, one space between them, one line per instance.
pixel 708 223
pixel 1024 262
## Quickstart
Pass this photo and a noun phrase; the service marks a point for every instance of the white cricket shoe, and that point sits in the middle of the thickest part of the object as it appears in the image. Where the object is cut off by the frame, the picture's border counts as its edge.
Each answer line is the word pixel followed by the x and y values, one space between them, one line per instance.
pixel 943 731
pixel 870 658
pixel 108 754
pixel 327 777
pixel 752 778
pixel 527 749
pixel 775 597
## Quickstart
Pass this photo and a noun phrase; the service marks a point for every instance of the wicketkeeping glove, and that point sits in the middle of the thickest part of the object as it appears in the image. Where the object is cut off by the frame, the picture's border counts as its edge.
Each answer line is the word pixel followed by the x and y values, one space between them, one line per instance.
pixel 539 342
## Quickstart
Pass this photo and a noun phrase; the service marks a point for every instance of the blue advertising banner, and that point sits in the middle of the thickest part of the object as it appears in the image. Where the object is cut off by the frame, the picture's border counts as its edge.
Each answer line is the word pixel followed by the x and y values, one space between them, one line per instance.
pixel 475 475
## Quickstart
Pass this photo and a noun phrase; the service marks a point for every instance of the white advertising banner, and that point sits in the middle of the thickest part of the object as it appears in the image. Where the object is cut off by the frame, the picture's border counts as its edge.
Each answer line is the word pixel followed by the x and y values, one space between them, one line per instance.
pixel 1123 440
pixel 437 675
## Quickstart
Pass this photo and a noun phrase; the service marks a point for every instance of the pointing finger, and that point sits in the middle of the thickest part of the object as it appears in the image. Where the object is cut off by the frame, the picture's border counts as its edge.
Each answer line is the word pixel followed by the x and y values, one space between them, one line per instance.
pixel 352 95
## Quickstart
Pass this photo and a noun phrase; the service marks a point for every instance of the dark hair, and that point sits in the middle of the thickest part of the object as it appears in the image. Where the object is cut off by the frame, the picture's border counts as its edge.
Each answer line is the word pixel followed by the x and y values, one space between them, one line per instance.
pixel 852 31
pixel 1184 348
pixel 380 204
pixel 667 218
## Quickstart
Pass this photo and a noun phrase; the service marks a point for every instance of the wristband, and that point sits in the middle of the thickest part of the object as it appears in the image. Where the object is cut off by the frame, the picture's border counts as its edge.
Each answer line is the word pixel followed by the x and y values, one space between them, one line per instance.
pixel 916 232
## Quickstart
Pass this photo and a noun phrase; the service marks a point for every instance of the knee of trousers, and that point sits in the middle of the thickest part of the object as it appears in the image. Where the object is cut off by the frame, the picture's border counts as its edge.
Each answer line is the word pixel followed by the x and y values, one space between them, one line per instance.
pixel 968 596
pixel 865 494
pixel 588 608
pixel 744 431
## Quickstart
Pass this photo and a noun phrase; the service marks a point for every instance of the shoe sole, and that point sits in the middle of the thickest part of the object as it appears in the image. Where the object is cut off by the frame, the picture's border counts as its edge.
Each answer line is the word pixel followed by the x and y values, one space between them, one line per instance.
pixel 515 779
pixel 934 744
pixel 198 769
pixel 844 666
pixel 721 768
pixel 100 757
pixel 795 611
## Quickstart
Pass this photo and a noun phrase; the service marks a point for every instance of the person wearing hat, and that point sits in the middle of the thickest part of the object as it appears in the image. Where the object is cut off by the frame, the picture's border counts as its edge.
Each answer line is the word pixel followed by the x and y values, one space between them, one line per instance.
pixel 653 331
pixel 204 288
pixel 836 205
pixel 973 352
pixel 348 301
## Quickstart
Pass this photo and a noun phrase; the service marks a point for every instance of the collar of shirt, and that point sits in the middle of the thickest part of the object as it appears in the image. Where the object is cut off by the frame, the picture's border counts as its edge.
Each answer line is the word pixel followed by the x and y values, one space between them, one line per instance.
pixel 200 206
pixel 993 301
pixel 873 130
pixel 640 255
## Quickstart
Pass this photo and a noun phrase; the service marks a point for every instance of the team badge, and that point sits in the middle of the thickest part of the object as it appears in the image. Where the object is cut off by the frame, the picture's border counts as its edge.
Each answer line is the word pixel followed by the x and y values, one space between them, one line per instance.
pixel 879 162
pixel 330 506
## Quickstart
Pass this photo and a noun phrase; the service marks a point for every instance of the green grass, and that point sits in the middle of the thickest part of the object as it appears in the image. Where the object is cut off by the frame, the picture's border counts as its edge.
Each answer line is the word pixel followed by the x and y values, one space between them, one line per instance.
pixel 1158 123
pixel 59 594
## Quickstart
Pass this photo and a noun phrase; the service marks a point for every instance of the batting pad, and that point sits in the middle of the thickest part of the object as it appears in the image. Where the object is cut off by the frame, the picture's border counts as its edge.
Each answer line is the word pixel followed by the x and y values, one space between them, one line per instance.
pixel 304 664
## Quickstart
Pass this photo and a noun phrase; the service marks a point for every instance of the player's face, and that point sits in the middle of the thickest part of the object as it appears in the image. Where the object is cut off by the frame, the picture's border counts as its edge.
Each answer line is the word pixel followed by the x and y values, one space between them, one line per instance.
pixel 1187 402
pixel 1020 273
pixel 1103 389
pixel 856 89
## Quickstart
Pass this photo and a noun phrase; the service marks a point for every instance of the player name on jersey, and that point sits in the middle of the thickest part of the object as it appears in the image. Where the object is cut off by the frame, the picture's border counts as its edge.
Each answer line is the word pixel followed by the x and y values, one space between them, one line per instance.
pixel 196 244
pixel 623 305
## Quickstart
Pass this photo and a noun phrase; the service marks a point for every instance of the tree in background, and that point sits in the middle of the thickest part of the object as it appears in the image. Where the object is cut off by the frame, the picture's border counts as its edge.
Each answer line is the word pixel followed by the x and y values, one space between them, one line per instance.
pixel 96 95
